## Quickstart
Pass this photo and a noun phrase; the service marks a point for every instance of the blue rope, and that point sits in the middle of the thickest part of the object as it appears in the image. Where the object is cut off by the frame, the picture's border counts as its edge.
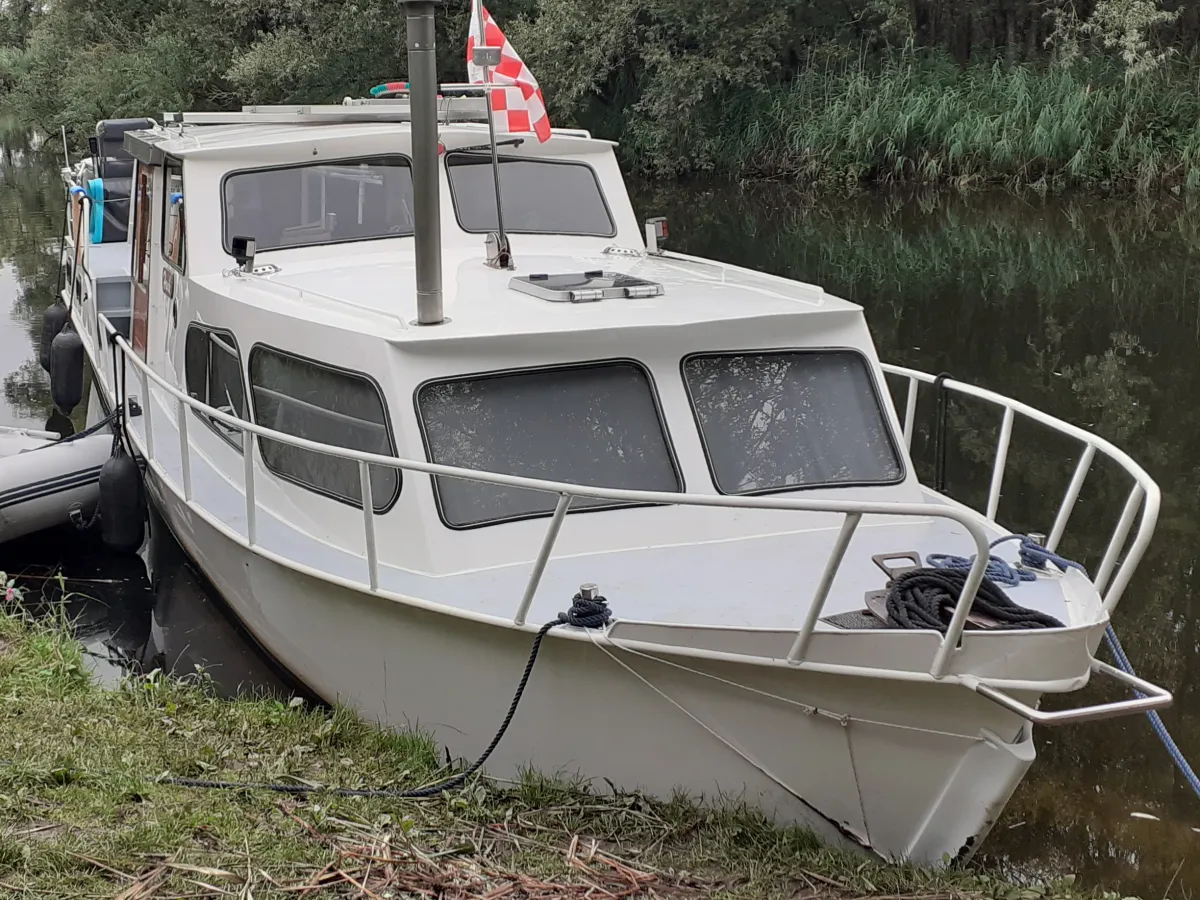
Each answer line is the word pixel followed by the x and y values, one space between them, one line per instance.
pixel 1156 722
pixel 1035 556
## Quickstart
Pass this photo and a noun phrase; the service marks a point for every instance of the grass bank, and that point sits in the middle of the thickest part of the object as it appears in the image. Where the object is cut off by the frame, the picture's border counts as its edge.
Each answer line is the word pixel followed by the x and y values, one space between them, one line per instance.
pixel 83 813
pixel 921 118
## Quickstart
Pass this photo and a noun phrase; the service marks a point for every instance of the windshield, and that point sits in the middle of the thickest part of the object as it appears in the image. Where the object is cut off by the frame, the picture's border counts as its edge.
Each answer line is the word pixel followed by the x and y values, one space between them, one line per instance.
pixel 787 420
pixel 540 196
pixel 593 425
pixel 321 203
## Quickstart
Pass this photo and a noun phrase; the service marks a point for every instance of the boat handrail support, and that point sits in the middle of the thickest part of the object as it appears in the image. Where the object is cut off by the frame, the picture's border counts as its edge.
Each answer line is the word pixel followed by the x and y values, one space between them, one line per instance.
pixel 852 511
pixel 1144 495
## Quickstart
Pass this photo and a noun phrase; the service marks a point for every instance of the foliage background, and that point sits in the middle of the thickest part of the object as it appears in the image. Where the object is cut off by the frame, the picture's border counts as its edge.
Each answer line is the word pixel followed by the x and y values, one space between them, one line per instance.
pixel 1026 91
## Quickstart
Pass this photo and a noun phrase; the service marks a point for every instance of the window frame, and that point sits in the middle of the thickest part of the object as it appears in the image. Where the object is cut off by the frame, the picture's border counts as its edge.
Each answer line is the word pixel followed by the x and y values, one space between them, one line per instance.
pixel 612 233
pixel 547 369
pixel 339 370
pixel 224 334
pixel 168 164
pixel 226 237
pixel 889 431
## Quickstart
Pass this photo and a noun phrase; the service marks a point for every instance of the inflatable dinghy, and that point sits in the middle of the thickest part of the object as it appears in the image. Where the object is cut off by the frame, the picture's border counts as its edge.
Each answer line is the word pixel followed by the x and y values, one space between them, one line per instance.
pixel 47 481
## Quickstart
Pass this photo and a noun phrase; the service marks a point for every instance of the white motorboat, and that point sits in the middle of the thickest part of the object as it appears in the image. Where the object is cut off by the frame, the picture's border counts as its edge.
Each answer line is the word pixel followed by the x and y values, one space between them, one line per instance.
pixel 396 458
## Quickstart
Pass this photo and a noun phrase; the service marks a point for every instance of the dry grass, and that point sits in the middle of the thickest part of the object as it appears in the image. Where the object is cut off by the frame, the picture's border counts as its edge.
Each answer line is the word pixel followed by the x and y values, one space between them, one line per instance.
pixel 84 812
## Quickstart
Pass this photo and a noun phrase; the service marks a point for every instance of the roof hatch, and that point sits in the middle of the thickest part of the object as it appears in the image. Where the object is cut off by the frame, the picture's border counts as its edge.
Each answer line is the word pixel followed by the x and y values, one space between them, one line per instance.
pixel 585 287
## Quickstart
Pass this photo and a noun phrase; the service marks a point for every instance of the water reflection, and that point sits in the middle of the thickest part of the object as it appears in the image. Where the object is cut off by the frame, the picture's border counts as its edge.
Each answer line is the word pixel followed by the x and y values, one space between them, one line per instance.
pixel 140 613
pixel 1087 308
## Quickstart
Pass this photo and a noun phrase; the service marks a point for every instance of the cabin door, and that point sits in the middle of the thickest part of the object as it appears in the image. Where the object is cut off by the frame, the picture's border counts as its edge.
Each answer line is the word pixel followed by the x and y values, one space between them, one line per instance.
pixel 141 258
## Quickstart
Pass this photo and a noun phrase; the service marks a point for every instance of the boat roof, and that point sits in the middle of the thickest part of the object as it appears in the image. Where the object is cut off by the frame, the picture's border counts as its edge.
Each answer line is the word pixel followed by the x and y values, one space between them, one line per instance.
pixel 481 302
pixel 214 135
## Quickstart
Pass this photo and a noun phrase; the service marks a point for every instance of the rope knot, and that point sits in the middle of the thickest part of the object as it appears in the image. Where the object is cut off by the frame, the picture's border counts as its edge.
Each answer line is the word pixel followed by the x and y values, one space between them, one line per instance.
pixel 1033 556
pixel 586 612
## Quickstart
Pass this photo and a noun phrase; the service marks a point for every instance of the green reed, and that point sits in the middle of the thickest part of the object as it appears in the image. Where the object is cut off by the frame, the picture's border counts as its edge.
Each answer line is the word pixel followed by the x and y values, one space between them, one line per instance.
pixel 922 118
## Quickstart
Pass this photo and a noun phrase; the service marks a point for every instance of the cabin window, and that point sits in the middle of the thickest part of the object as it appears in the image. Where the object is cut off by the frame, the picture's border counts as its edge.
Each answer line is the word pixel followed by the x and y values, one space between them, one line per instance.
pixel 777 421
pixel 597 425
pixel 213 369
pixel 329 406
pixel 173 222
pixel 540 196
pixel 320 203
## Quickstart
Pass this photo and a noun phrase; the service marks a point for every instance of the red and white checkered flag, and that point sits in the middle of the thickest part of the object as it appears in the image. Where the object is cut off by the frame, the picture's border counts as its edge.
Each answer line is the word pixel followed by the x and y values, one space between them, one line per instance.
pixel 519 107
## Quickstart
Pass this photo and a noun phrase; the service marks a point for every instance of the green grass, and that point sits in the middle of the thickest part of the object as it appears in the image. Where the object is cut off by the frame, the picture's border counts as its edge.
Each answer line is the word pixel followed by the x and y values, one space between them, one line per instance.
pixel 83 814
pixel 921 118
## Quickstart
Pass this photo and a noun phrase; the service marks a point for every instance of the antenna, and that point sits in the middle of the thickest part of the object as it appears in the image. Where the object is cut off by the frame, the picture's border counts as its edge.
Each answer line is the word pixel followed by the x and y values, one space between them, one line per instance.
pixel 499 256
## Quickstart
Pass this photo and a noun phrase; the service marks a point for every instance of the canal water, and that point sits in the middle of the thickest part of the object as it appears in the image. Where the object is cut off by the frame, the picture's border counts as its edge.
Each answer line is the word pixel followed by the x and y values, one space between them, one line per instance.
pixel 1088 308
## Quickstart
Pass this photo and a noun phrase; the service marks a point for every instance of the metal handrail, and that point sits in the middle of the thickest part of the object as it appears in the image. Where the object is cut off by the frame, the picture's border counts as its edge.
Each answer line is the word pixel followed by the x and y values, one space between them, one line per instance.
pixel 1144 494
pixel 851 510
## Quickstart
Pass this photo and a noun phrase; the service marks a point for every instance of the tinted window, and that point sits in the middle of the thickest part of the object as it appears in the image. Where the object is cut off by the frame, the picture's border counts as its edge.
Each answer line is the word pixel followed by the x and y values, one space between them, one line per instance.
pixel 173 222
pixel 540 197
pixel 596 425
pixel 322 203
pixel 213 368
pixel 773 421
pixel 325 405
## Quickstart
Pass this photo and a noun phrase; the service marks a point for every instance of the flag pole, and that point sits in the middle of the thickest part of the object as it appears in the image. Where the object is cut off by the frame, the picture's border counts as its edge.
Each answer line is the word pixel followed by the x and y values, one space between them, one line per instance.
pixel 504 254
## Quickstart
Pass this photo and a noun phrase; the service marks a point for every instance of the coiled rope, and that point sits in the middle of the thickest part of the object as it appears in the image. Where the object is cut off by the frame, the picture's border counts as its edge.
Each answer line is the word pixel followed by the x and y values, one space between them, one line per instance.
pixel 1035 556
pixel 926 598
pixel 584 613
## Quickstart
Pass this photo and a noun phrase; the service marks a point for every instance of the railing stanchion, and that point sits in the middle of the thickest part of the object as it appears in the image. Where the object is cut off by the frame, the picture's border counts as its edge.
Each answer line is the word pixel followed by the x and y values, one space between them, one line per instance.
pixel 248 465
pixel 1071 497
pixel 1006 428
pixel 804 635
pixel 910 411
pixel 146 414
pixel 539 565
pixel 1109 563
pixel 966 599
pixel 185 457
pixel 368 500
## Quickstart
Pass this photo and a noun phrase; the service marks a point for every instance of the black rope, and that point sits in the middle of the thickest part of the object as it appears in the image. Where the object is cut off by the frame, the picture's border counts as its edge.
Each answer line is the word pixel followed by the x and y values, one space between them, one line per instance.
pixel 111 418
pixel 939 432
pixel 584 613
pixel 926 598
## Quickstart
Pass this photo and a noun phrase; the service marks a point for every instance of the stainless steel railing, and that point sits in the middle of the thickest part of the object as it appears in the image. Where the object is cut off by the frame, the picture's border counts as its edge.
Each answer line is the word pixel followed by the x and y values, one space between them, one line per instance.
pixel 1144 495
pixel 852 511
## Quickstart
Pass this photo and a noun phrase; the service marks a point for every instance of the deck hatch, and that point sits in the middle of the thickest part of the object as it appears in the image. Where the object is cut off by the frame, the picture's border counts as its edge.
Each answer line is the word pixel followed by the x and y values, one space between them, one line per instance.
pixel 585 287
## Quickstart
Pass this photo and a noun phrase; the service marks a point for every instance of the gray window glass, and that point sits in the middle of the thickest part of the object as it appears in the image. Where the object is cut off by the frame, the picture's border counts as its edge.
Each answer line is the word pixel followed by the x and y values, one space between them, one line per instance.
pixel 325 405
pixel 213 369
pixel 322 203
pixel 780 420
pixel 595 425
pixel 540 197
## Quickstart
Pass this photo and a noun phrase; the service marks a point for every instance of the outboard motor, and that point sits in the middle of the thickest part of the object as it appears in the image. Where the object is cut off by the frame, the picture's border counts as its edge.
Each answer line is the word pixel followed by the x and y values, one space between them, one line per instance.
pixel 66 369
pixel 53 320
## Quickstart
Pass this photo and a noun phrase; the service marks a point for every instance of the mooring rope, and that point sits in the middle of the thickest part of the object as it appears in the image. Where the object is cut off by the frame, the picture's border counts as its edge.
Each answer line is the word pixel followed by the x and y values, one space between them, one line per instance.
pixel 1035 556
pixel 926 598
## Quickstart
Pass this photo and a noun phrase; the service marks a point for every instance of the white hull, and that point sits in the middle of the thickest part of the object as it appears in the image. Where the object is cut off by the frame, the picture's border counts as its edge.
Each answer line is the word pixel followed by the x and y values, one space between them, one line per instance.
pixel 915 770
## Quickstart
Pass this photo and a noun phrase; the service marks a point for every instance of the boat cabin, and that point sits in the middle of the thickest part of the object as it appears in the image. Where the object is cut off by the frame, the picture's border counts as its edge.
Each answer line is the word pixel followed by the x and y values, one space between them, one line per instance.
pixel 591 362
